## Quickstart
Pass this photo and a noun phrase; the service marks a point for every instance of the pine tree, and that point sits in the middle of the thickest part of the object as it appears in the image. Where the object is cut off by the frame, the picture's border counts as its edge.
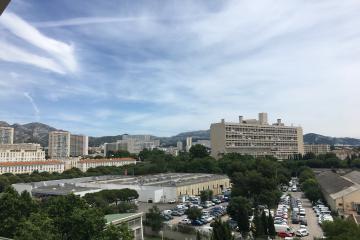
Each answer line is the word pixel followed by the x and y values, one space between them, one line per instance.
pixel 259 227
pixel 271 227
pixel 264 221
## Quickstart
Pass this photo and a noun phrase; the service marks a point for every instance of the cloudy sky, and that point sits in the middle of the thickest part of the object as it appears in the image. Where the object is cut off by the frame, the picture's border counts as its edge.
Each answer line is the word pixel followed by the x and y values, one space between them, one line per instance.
pixel 163 67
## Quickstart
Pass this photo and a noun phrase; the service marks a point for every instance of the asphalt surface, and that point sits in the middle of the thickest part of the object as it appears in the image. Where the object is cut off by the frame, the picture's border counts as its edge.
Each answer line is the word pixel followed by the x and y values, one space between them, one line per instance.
pixel 313 226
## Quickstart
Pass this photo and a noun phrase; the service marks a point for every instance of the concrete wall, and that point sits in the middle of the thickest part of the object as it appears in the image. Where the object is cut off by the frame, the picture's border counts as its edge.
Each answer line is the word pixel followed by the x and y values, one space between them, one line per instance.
pixel 217 138
pixel 346 203
pixel 195 189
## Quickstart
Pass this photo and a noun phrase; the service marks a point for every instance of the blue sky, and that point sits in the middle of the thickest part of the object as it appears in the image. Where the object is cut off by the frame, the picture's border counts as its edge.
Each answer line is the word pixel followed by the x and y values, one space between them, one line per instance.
pixel 163 67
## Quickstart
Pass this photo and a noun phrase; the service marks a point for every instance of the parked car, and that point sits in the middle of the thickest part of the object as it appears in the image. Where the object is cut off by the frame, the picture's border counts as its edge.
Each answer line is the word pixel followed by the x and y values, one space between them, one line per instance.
pixel 185 221
pixel 302 232
pixel 171 201
pixel 196 223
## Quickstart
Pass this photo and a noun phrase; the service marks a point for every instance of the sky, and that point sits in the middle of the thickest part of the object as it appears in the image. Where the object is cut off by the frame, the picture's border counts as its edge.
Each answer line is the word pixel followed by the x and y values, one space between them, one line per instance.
pixel 164 67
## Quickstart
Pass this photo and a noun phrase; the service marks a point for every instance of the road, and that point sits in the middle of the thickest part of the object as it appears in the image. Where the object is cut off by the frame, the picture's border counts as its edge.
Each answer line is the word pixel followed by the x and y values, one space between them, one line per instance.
pixel 313 226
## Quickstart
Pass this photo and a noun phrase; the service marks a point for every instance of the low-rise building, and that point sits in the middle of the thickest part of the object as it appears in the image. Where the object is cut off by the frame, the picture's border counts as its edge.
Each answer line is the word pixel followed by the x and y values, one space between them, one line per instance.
pixel 132 220
pixel 316 149
pixel 85 164
pixel 132 144
pixel 342 192
pixel 31 166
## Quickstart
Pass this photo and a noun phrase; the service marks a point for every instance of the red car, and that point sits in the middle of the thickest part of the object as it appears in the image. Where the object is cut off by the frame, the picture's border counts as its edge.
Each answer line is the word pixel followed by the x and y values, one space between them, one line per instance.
pixel 285 234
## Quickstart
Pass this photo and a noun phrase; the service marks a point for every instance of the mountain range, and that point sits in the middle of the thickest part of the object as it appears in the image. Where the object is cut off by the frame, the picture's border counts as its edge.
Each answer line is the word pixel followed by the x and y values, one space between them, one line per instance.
pixel 39 132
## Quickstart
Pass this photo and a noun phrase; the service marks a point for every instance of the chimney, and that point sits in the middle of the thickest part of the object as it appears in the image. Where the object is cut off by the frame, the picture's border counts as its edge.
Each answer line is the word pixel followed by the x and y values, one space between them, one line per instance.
pixel 279 121
pixel 241 118
pixel 223 120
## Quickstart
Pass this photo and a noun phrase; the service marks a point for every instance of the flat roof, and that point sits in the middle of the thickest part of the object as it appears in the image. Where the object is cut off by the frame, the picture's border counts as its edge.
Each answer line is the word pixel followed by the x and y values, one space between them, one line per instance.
pixel 165 179
pixel 120 217
pixel 61 189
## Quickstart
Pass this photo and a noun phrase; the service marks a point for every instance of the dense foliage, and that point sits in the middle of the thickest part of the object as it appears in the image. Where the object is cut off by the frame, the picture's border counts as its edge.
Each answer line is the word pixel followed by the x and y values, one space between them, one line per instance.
pixel 154 219
pixel 221 231
pixel 341 230
pixel 63 217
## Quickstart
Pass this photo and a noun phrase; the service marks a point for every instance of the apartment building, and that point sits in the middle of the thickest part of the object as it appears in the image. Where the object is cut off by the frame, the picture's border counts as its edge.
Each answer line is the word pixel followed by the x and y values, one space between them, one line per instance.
pixel 59 144
pixel 316 148
pixel 6 135
pixel 256 137
pixel 79 145
pixel 22 152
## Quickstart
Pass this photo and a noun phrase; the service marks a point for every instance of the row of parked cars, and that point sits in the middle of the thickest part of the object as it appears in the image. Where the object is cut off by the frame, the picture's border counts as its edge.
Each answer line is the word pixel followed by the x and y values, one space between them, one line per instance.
pixel 322 212
pixel 298 212
pixel 206 217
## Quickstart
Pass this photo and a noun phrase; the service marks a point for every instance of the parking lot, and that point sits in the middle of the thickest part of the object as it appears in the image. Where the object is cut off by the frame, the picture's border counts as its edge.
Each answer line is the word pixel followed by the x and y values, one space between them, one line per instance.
pixel 312 224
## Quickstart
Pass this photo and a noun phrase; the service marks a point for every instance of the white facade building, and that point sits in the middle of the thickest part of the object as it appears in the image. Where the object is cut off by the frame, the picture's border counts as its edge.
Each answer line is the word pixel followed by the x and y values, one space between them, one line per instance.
pixel 31 166
pixel 256 137
pixel 188 143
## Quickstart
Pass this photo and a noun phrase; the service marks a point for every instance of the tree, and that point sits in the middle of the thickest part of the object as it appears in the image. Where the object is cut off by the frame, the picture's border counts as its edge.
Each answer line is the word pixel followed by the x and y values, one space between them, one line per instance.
pixel 221 231
pixel 311 189
pixel 86 224
pixel 198 151
pixel 264 222
pixel 239 208
pixel 259 227
pixel 193 213
pixel 38 226
pixel 113 232
pixel 206 195
pixel 271 227
pixel 153 219
pixel 341 229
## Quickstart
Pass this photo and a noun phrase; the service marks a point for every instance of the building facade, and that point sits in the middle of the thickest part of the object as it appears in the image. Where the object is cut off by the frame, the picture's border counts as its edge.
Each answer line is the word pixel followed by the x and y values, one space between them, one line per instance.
pixel 6 135
pixel 59 144
pixel 18 167
pixel 22 152
pixel 188 143
pixel 316 148
pixel 132 143
pixel 79 145
pixel 85 164
pixel 256 137
pixel 132 220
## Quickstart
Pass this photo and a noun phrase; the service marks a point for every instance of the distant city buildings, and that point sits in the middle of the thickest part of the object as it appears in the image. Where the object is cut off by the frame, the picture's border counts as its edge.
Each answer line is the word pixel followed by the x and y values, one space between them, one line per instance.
pixel 205 143
pixel 132 143
pixel 79 145
pixel 63 144
pixel 256 137
pixel 316 149
pixel 188 143
pixel 6 135
pixel 179 145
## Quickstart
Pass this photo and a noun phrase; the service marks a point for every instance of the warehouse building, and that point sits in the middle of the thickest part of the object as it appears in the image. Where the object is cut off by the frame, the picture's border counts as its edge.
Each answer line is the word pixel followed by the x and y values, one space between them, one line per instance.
pixel 151 188
pixel 342 192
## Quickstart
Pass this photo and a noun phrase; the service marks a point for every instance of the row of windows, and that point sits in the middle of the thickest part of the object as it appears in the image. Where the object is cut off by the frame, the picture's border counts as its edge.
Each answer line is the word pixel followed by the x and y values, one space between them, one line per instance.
pixel 20 169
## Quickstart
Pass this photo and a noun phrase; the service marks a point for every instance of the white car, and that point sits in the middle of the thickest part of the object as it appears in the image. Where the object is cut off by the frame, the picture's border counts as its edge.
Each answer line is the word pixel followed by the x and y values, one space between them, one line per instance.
pixel 302 232
pixel 185 221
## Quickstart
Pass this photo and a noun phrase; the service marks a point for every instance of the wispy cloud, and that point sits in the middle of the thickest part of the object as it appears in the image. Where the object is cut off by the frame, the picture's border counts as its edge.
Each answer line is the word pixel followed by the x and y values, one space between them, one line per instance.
pixel 34 106
pixel 63 59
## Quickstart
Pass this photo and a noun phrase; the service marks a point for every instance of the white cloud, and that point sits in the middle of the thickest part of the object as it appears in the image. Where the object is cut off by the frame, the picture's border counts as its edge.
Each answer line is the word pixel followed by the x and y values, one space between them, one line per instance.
pixel 63 59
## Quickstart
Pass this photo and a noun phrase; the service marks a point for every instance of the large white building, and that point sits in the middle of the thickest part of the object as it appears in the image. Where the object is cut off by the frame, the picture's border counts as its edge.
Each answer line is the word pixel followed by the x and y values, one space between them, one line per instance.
pixel 6 135
pixel 256 137
pixel 17 167
pixel 79 145
pixel 21 152
pixel 59 144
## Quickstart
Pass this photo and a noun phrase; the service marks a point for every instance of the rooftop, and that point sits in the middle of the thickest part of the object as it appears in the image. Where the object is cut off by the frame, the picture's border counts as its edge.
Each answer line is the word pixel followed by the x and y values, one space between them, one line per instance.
pixel 29 163
pixel 106 160
pixel 332 183
pixel 121 217
pixel 61 189
pixel 165 179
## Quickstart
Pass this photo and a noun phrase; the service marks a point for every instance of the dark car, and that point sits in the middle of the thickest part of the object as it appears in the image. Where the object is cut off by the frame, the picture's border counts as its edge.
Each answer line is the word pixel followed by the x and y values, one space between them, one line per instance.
pixel 176 213
pixel 295 220
pixel 196 223
pixel 303 222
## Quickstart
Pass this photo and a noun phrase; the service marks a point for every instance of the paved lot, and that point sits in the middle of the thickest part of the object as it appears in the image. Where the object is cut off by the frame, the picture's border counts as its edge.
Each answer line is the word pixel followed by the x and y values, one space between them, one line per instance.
pixel 313 226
